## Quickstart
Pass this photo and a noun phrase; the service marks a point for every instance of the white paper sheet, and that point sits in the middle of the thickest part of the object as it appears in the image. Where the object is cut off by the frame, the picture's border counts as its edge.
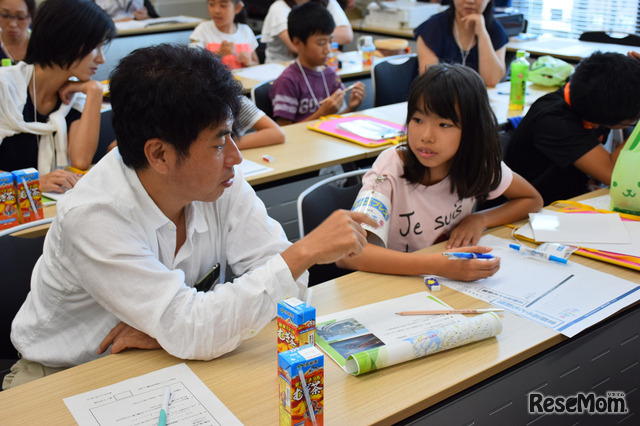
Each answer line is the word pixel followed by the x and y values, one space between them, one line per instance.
pixel 263 72
pixel 632 248
pixel 567 298
pixel 579 227
pixel 138 401
pixel 251 168
pixel 135 24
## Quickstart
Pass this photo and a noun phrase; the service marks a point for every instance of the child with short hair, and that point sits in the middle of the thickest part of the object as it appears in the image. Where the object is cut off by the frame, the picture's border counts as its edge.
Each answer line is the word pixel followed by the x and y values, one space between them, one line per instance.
pixel 558 144
pixel 307 89
pixel 279 43
pixel 451 159
pixel 226 35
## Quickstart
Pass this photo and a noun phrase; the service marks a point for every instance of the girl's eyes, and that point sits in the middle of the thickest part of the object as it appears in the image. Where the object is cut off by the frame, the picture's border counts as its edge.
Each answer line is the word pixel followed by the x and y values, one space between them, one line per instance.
pixel 446 125
pixel 416 119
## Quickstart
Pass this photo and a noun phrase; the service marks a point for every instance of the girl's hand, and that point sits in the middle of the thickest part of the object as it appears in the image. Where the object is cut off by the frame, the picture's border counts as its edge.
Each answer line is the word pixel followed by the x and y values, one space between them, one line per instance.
pixel 468 269
pixel 58 181
pixel 357 96
pixel 244 58
pixel 332 104
pixel 475 21
pixel 227 48
pixel 141 14
pixel 468 232
pixel 70 88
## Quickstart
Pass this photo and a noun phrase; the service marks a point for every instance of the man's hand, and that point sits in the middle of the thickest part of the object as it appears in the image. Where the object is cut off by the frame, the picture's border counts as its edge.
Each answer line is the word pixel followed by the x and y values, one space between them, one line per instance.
pixel 58 181
pixel 338 236
pixel 123 336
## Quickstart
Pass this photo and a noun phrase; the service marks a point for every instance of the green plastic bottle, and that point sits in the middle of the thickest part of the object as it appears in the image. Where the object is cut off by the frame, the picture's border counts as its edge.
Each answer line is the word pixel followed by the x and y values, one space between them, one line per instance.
pixel 519 74
pixel 6 62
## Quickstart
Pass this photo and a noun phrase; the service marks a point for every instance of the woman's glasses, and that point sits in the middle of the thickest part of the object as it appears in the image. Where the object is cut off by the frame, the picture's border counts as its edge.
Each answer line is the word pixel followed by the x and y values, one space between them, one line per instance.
pixel 7 17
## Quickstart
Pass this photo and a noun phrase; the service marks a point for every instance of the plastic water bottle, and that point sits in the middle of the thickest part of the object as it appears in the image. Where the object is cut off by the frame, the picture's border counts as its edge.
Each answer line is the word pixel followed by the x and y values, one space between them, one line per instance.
pixel 366 48
pixel 519 74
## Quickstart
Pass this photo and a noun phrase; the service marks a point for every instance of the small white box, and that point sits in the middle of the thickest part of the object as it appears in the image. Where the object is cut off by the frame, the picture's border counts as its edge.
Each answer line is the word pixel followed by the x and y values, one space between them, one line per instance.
pixel 400 14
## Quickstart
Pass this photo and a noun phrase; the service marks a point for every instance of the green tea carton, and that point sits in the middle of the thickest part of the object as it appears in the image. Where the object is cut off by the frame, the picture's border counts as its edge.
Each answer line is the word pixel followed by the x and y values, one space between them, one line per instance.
pixel 301 380
pixel 296 324
pixel 8 203
pixel 29 197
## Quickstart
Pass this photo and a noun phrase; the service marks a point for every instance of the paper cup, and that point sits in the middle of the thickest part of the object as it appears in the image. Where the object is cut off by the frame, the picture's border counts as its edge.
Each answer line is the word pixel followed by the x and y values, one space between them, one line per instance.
pixel 378 207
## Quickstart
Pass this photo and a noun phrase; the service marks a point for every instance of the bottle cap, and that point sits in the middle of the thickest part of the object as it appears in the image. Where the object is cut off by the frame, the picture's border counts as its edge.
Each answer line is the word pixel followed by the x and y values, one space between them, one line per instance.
pixel 521 53
pixel 6 62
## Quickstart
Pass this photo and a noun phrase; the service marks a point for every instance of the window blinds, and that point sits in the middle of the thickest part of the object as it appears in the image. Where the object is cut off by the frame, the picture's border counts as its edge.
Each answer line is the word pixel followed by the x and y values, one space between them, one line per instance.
pixel 570 18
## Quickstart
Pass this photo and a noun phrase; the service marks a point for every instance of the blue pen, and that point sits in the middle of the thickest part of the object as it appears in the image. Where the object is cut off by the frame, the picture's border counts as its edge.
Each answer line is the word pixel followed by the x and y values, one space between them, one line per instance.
pixel 463 255
pixel 537 253
pixel 166 400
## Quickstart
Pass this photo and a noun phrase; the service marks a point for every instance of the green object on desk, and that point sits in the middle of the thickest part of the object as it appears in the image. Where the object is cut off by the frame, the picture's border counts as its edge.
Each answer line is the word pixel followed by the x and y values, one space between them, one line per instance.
pixel 550 71
pixel 625 179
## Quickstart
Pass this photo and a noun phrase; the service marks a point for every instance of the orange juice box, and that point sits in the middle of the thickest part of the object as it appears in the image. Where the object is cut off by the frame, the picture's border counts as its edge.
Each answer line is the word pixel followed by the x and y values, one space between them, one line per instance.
pixel 296 324
pixel 8 204
pixel 294 401
pixel 29 197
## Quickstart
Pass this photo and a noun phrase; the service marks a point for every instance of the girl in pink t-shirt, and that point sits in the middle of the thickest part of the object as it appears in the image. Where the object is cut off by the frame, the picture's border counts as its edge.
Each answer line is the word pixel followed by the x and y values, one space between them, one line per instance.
pixel 452 159
pixel 226 35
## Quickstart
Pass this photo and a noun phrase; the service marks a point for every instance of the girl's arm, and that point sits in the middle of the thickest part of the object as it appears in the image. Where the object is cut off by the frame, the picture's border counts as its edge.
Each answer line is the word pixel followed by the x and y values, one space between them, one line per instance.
pixel 426 57
pixel 84 133
pixel 267 133
pixel 523 199
pixel 386 261
pixel 491 63
pixel 248 59
pixel 343 34
pixel 284 36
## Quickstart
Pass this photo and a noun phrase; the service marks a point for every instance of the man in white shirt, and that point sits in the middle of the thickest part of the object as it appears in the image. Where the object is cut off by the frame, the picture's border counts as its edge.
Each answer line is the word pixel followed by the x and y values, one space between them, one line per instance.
pixel 153 218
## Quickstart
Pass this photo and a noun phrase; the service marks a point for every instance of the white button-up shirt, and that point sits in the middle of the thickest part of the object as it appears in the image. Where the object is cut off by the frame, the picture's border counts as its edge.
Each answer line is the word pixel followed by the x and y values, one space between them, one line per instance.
pixel 110 256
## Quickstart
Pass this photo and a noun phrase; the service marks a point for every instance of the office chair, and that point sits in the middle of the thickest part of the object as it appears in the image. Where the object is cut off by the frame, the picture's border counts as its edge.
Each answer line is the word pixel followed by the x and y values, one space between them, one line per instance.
pixel 260 97
pixel 316 203
pixel 603 37
pixel 19 256
pixel 392 77
pixel 107 135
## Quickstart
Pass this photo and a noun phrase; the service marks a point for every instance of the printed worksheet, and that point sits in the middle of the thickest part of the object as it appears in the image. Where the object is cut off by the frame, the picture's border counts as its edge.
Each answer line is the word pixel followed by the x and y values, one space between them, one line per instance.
pixel 138 401
pixel 565 297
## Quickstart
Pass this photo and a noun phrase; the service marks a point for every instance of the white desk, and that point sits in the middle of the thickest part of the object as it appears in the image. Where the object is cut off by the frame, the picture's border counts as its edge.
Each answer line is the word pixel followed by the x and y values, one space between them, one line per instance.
pixel 564 48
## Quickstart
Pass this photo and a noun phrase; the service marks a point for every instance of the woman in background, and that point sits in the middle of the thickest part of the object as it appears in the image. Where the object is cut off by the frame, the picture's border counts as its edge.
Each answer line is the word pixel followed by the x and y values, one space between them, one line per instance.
pixel 47 120
pixel 15 19
pixel 466 34
pixel 126 10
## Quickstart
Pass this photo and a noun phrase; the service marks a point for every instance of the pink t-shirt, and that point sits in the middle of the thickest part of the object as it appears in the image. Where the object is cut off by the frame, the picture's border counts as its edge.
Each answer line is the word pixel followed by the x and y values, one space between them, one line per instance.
pixel 421 215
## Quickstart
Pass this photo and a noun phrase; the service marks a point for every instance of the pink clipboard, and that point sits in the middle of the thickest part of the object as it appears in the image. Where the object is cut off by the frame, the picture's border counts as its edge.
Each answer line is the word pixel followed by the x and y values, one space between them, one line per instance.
pixel 329 125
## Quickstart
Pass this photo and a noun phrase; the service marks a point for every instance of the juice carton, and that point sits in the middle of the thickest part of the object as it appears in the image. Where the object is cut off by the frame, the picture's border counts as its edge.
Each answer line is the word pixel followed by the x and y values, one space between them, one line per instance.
pixel 29 197
pixel 294 398
pixel 8 204
pixel 296 324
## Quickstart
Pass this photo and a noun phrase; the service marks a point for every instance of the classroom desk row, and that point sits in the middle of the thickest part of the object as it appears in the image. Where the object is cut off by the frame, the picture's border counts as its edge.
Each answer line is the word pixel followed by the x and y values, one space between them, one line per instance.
pixel 246 382
pixel 308 151
pixel 571 50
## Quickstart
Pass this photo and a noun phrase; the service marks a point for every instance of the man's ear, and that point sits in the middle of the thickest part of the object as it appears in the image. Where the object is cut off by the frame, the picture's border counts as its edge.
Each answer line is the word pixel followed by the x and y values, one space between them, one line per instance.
pixel 160 155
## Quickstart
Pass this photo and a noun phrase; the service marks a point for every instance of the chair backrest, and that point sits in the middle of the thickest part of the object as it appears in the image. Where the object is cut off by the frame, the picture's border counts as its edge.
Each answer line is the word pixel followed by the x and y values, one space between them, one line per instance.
pixel 19 256
pixel 260 97
pixel 603 37
pixel 317 202
pixel 392 77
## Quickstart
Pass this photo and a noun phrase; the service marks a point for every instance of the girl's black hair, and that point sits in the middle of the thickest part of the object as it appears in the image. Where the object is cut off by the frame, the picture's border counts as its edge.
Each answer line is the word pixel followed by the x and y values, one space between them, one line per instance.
pixel 488 14
pixel 476 168
pixel 65 31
